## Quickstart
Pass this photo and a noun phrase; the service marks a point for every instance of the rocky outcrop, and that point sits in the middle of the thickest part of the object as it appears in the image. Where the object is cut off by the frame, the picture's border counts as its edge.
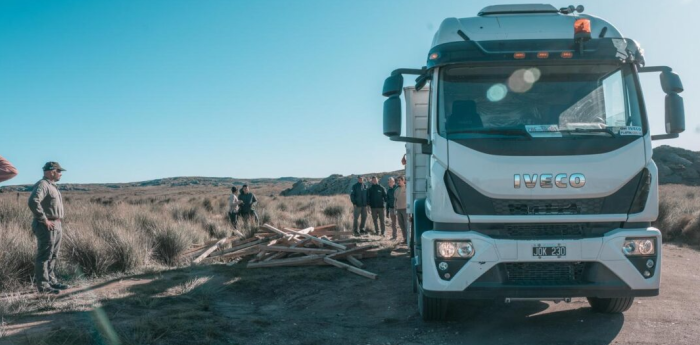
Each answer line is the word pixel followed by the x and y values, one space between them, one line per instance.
pixel 335 184
pixel 677 165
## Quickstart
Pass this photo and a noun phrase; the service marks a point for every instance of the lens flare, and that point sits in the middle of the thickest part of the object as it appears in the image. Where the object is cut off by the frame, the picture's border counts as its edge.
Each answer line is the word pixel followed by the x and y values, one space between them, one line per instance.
pixel 521 81
pixel 497 92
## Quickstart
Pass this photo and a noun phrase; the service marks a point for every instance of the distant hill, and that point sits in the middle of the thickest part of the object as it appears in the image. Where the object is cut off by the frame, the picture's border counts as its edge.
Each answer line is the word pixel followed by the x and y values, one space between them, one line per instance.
pixel 164 182
pixel 335 184
pixel 677 165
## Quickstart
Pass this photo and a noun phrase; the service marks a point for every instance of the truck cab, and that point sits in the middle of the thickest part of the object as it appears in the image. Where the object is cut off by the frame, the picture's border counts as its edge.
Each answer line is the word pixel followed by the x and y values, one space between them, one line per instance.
pixel 529 160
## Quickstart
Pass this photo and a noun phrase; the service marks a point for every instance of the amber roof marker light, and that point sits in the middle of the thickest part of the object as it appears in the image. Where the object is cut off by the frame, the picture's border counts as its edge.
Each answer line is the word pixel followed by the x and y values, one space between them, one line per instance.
pixel 582 32
pixel 519 55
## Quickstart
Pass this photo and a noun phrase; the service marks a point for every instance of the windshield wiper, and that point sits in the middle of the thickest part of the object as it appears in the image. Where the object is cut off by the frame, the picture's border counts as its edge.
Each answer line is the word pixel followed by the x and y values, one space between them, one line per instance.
pixel 593 130
pixel 498 131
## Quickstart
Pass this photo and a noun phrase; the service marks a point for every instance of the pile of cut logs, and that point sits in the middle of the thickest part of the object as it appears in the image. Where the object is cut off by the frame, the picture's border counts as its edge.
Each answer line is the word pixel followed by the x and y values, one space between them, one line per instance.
pixel 272 247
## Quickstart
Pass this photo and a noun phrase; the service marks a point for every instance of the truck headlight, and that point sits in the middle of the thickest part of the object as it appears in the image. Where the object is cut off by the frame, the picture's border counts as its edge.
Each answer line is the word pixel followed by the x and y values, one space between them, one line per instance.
pixel 639 246
pixel 454 249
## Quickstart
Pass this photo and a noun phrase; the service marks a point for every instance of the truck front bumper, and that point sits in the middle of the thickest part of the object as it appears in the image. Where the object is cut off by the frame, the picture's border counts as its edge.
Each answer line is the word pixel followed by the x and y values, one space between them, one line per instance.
pixel 591 267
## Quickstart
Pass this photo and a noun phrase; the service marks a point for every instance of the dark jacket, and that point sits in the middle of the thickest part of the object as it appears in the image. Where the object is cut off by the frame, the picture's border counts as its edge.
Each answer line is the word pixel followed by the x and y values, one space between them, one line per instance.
pixel 376 196
pixel 390 196
pixel 248 201
pixel 358 195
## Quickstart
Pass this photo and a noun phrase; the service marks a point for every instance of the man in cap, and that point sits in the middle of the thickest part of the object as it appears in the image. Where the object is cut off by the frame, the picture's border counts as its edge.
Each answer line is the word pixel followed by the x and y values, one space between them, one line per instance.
pixel 46 204
pixel 247 206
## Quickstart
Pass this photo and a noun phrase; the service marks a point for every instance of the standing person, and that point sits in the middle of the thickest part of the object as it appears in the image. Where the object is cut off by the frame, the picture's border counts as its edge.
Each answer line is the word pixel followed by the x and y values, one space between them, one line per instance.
pixel 7 170
pixel 233 206
pixel 358 197
pixel 248 203
pixel 400 204
pixel 46 205
pixel 376 196
pixel 390 208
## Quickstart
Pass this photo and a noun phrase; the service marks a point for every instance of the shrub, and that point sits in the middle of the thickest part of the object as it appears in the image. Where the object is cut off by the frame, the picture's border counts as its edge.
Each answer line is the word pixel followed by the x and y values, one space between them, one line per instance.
pixel 91 253
pixel 17 253
pixel 170 242
pixel 301 223
pixel 334 211
pixel 129 249
pixel 282 207
pixel 208 205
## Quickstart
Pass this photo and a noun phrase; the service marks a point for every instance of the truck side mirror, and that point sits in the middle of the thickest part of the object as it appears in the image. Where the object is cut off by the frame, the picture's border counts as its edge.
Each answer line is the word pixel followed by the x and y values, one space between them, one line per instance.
pixel 675 113
pixel 671 82
pixel 392 115
pixel 393 86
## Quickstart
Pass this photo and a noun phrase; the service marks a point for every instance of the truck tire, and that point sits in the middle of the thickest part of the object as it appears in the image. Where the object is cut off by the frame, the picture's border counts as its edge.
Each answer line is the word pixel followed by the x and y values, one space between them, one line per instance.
pixel 431 309
pixel 611 305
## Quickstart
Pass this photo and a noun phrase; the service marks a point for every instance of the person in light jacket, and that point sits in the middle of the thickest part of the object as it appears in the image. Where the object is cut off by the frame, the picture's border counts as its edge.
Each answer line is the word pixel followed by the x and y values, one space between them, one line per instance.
pixel 400 204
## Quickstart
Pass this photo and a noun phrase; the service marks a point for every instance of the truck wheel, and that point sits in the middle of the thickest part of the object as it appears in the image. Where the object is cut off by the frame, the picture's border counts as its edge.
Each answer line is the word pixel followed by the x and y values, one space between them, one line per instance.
pixel 611 305
pixel 431 309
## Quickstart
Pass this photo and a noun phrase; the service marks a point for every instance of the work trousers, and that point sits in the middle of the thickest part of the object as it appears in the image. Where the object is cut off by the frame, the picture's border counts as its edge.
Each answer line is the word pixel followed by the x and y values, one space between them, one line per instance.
pixel 358 211
pixel 378 213
pixel 245 215
pixel 392 216
pixel 402 219
pixel 48 244
pixel 233 218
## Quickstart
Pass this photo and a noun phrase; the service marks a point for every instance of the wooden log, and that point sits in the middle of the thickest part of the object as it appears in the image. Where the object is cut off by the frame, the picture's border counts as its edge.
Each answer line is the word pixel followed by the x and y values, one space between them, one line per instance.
pixel 326 227
pixel 283 254
pixel 277 231
pixel 354 261
pixel 286 262
pixel 349 268
pixel 317 240
pixel 239 247
pixel 209 251
pixel 352 251
pixel 237 254
pixel 297 250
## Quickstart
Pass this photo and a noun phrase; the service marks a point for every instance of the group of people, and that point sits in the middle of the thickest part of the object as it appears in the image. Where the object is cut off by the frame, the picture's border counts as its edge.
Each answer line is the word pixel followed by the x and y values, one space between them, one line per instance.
pixel 242 206
pixel 380 201
pixel 46 205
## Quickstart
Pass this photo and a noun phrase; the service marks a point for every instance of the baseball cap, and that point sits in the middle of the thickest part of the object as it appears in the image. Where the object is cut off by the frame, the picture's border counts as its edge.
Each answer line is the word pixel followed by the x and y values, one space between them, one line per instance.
pixel 53 166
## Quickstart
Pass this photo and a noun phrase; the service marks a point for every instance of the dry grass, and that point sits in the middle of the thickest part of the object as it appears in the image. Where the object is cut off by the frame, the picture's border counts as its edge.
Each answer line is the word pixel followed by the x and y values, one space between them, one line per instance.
pixel 679 214
pixel 146 228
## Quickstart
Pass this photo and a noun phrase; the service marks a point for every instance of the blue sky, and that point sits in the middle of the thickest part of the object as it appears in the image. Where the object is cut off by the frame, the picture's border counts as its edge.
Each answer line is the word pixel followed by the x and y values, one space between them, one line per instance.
pixel 121 91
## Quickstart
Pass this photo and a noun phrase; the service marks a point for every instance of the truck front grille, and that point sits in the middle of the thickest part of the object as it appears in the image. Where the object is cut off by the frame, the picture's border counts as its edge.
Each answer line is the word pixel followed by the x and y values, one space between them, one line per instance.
pixel 544 273
pixel 547 207
pixel 544 231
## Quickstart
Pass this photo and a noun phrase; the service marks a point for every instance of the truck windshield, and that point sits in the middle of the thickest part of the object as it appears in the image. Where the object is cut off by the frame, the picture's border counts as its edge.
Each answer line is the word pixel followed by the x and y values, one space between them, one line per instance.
pixel 590 101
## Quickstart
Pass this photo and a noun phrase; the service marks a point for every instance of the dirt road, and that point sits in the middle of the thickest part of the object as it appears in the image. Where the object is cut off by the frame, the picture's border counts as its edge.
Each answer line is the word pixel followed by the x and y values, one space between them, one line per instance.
pixel 323 305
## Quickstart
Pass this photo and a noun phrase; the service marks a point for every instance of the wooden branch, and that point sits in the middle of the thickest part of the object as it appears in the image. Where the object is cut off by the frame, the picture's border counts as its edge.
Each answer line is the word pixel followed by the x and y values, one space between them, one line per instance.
pixel 286 262
pixel 349 268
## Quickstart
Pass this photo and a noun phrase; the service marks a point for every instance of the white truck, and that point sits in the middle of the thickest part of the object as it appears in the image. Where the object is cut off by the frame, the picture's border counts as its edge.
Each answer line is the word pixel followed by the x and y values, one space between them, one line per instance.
pixel 529 161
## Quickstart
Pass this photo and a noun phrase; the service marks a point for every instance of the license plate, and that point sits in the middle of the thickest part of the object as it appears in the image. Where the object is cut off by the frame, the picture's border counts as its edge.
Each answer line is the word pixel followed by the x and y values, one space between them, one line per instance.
pixel 549 251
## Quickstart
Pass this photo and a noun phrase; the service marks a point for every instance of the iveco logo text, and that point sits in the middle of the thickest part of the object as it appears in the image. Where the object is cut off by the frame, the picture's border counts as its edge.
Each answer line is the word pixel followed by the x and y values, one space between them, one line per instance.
pixel 550 180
